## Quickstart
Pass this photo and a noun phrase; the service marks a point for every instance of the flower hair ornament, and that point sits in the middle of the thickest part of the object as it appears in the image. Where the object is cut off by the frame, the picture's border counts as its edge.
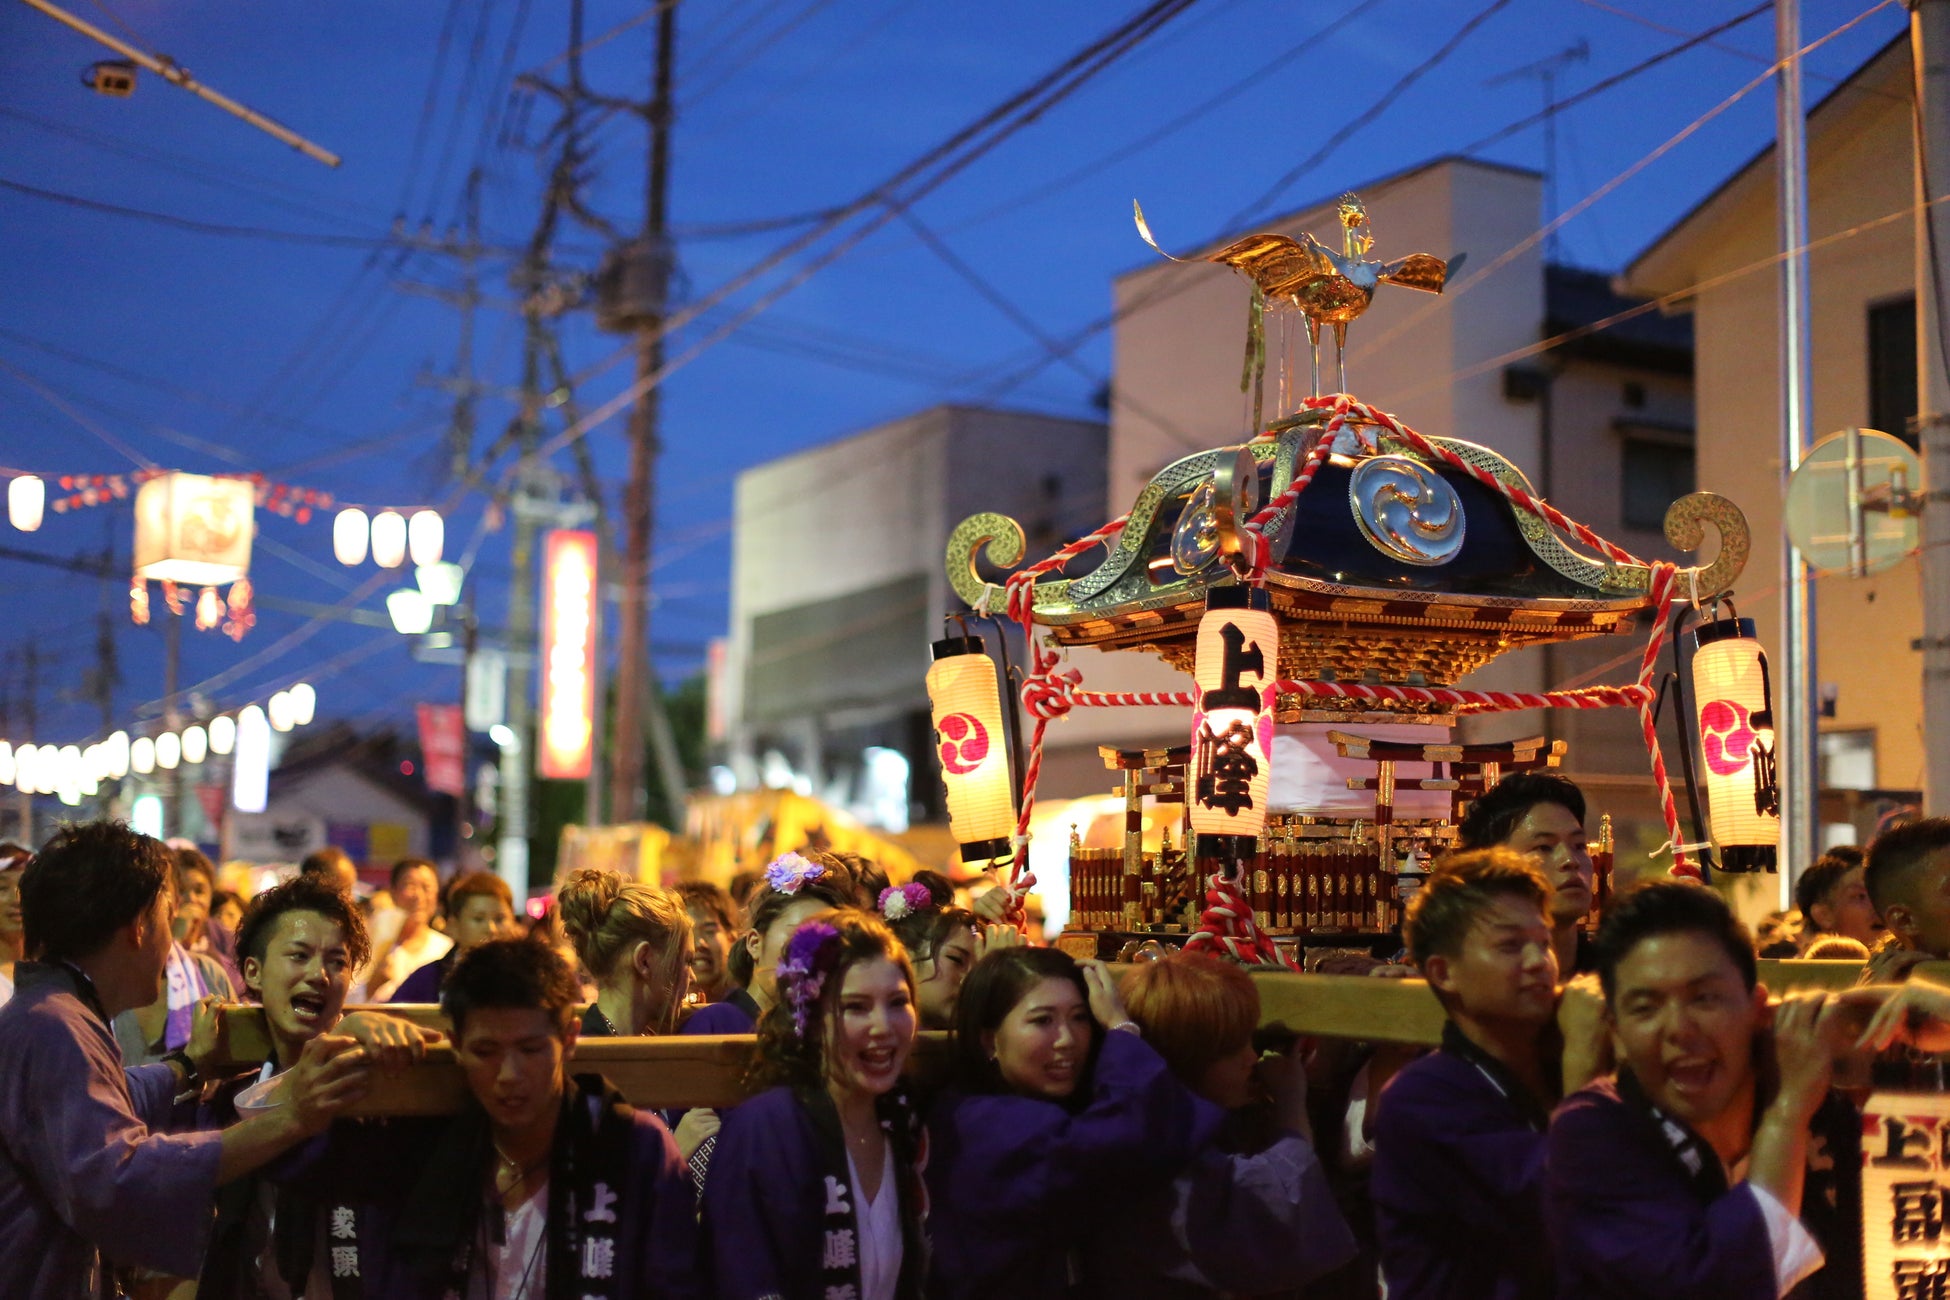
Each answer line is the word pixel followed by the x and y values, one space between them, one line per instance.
pixel 810 955
pixel 789 873
pixel 904 900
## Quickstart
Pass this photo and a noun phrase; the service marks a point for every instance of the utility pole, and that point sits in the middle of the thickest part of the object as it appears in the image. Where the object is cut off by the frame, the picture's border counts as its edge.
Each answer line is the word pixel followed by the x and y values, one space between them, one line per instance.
pixel 1929 35
pixel 30 706
pixel 1546 70
pixel 172 713
pixel 1796 745
pixel 646 269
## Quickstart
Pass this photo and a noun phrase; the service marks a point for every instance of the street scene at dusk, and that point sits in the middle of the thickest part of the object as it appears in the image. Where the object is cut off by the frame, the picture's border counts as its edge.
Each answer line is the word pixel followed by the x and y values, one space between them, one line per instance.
pixel 876 650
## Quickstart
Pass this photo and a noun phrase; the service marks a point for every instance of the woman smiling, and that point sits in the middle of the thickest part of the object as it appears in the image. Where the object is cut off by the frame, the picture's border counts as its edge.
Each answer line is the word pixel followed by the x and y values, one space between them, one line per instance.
pixel 815 1188
pixel 1060 1114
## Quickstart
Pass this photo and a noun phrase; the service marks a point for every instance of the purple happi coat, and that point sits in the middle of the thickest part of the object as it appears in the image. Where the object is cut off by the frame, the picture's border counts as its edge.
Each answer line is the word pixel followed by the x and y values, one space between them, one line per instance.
pixel 1458 1179
pixel 770 1228
pixel 1019 1185
pixel 86 1180
pixel 1639 1207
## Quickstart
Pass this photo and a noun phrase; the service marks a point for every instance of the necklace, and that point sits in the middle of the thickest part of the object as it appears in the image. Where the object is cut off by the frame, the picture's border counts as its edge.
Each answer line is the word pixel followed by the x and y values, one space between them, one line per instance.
pixel 513 1171
pixel 608 1024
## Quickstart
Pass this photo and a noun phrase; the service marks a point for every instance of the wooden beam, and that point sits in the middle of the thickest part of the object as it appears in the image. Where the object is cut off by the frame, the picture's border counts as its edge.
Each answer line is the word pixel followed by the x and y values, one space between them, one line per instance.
pixel 684 1071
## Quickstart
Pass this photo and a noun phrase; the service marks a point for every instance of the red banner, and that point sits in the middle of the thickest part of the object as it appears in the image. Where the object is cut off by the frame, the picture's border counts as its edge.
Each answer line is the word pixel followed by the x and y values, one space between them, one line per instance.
pixel 568 660
pixel 443 748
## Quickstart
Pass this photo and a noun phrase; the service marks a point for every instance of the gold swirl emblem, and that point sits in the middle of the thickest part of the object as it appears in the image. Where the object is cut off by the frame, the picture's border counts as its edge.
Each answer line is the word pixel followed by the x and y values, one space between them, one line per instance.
pixel 1406 510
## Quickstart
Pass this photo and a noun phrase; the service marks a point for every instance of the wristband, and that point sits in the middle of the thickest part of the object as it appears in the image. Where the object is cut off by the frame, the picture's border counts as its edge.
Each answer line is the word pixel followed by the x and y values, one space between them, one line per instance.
pixel 1128 1026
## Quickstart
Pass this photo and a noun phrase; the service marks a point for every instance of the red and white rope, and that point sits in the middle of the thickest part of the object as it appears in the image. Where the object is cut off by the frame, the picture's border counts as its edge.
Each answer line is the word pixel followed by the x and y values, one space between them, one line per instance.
pixel 1227 924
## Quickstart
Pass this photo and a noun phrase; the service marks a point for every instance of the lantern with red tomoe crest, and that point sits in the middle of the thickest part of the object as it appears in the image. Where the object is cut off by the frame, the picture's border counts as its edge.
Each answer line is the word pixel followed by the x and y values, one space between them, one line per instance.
pixel 971 747
pixel 1737 749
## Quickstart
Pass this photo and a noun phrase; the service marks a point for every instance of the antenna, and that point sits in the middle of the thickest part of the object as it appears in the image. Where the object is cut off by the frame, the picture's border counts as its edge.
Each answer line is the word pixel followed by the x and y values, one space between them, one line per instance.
pixel 1545 71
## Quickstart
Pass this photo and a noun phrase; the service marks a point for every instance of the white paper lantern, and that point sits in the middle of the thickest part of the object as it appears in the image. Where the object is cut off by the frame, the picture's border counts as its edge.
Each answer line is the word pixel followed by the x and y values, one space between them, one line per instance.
pixel 142 756
pixel 9 769
pixel 388 539
pixel 278 710
pixel 117 747
pixel 251 768
pixel 223 733
pixel 26 502
pixel 426 536
pixel 1232 720
pixel 349 536
pixel 193 530
pixel 196 745
pixel 972 747
pixel 1736 733
pixel 304 703
pixel 169 750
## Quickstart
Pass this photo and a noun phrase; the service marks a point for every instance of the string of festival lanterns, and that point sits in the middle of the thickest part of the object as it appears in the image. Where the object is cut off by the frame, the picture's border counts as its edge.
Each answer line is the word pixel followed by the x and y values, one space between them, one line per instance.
pixel 193 535
pixel 75 772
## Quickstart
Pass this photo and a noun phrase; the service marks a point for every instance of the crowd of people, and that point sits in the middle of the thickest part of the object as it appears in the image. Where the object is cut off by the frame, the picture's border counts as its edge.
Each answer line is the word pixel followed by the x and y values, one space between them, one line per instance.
pixel 1617 1108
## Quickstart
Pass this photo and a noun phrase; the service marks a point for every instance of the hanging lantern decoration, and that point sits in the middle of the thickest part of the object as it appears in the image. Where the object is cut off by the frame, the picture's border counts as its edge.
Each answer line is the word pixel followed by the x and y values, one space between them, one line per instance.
pixel 1736 733
pixel 117 749
pixel 250 770
pixel 26 502
pixel 142 756
pixel 426 536
pixel 304 703
pixel 209 609
pixel 196 745
pixel 192 530
pixel 349 537
pixel 279 711
pixel 971 745
pixel 1232 722
pixel 223 733
pixel 389 539
pixel 169 750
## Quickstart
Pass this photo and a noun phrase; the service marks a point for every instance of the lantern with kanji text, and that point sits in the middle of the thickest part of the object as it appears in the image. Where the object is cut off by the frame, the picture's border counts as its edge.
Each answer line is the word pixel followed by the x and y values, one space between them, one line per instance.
pixel 1232 720
pixel 1737 748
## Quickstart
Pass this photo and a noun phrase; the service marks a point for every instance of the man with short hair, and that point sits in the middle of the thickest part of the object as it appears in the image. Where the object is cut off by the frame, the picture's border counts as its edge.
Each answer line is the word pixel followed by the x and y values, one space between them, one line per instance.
pixel 1542 814
pixel 88 1182
pixel 299 943
pixel 1458 1173
pixel 1908 880
pixel 480 907
pixel 714 929
pixel 1716 1162
pixel 1834 901
pixel 404 939
pixel 544 1184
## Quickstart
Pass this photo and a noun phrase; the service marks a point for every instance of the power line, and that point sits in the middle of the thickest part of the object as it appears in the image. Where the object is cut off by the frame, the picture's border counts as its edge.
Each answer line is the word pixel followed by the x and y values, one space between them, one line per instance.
pixel 192 224
pixel 946 160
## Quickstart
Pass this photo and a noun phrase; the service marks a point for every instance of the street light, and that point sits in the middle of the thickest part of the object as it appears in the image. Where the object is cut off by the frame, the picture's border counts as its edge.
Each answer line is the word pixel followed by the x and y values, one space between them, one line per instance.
pixel 440 583
pixel 412 612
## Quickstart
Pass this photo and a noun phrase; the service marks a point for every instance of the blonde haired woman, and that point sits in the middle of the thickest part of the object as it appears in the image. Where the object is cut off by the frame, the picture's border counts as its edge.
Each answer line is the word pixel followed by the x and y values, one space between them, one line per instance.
pixel 635 940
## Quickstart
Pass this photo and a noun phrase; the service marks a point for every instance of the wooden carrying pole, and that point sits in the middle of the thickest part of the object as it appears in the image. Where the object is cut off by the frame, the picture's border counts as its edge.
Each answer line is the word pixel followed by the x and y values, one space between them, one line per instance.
pixel 702 1070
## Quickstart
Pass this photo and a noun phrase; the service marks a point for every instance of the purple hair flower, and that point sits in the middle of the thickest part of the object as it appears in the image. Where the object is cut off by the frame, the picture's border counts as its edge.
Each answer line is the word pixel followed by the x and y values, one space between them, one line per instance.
pixel 904 900
pixel 802 971
pixel 789 873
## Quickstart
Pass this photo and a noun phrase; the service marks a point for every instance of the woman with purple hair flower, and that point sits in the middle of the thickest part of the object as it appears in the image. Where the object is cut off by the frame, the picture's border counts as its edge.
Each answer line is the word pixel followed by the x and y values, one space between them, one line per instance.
pixel 943 940
pixel 815 1188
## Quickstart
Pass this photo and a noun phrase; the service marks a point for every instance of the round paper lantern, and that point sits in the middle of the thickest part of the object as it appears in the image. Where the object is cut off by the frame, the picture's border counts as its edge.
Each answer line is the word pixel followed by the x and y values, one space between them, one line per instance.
pixel 117 747
pixel 279 711
pixel 426 535
pixel 389 539
pixel 223 733
pixel 142 756
pixel 349 537
pixel 1232 721
pixel 9 765
pixel 972 748
pixel 196 745
pixel 26 502
pixel 304 703
pixel 169 750
pixel 1736 734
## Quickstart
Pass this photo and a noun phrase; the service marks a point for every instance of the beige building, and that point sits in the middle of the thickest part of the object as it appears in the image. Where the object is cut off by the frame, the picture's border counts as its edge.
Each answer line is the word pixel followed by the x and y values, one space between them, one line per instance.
pixel 1863 276
pixel 1602 427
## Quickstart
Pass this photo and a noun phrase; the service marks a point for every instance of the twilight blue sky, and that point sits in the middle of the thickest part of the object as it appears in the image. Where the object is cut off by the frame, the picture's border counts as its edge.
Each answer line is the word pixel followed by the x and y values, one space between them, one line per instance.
pixel 126 340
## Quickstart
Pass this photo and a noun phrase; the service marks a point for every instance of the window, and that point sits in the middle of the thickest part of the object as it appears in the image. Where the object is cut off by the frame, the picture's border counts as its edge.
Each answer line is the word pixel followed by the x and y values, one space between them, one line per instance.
pixel 1892 366
pixel 1652 476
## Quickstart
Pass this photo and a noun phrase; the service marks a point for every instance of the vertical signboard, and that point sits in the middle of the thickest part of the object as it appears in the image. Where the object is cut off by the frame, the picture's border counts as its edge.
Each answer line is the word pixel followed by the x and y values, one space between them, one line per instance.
pixel 568 658
pixel 1905 1180
pixel 443 748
